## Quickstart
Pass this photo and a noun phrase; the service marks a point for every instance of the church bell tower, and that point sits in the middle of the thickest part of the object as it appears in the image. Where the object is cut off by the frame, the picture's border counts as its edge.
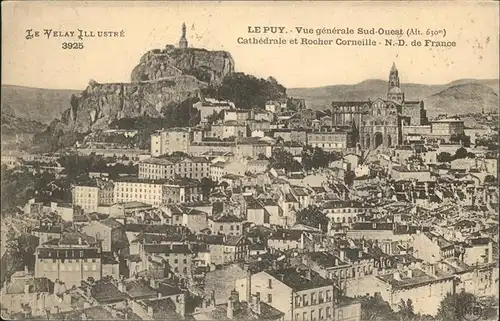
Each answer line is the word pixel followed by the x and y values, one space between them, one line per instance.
pixel 395 93
pixel 183 44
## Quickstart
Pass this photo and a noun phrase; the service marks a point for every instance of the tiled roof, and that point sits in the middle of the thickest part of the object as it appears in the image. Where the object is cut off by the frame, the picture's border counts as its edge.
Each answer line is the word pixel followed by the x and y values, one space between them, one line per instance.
pixel 167 248
pixel 233 240
pixel 112 223
pixel 299 280
pixel 35 285
pixel 324 259
pixel 139 289
pixel 107 292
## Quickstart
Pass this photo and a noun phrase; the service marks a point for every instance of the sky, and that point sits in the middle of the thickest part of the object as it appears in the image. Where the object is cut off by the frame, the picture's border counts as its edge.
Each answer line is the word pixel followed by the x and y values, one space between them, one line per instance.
pixel 41 62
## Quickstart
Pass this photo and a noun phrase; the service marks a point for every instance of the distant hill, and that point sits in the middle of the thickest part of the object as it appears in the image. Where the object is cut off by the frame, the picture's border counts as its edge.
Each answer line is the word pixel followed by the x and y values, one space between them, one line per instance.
pixel 476 94
pixel 463 99
pixel 18 132
pixel 12 125
pixel 35 104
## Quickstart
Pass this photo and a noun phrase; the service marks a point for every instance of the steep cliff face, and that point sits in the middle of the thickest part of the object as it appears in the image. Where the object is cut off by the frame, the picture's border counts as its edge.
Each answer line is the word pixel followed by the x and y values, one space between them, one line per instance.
pixel 162 77
pixel 208 66
pixel 100 104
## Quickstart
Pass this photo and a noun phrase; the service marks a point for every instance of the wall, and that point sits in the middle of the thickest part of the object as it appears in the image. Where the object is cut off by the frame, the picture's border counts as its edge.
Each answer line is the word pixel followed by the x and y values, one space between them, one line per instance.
pixel 425 249
pixel 281 294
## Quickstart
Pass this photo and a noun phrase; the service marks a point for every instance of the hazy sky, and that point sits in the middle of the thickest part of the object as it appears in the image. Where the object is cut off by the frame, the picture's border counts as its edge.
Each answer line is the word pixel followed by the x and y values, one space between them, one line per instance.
pixel 42 63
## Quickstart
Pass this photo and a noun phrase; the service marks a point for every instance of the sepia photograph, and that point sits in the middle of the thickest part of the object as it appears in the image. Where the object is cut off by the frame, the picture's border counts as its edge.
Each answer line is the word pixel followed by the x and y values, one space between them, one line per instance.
pixel 275 161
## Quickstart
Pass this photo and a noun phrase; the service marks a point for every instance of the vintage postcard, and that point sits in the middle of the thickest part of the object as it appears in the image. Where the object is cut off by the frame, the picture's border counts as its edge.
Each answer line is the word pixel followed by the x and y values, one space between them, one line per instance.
pixel 278 161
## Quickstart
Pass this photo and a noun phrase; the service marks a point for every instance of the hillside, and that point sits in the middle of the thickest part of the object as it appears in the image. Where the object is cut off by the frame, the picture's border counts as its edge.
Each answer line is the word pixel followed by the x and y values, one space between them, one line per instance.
pixel 463 99
pixel 35 104
pixel 321 97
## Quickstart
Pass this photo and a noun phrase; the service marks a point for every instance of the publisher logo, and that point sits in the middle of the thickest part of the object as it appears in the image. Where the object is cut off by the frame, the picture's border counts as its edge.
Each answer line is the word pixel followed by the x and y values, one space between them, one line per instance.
pixel 472 311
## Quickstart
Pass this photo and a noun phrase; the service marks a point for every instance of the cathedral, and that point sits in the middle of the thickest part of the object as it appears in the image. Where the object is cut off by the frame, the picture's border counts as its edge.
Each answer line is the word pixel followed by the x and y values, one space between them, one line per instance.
pixel 379 123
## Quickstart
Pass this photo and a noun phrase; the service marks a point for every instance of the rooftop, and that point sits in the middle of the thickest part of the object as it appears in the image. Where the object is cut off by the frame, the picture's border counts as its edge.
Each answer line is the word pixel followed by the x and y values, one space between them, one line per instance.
pixel 300 280
pixel 34 285
pixel 105 291
pixel 325 259
pixel 418 278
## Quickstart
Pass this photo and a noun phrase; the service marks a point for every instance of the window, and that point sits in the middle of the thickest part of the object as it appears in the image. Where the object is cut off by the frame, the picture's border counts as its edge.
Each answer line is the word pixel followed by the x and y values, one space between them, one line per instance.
pixel 269 298
pixel 270 284
pixel 313 298
pixel 313 315
pixel 320 314
pixel 176 261
pixel 304 316
pixel 297 317
pixel 297 301
pixel 184 261
pixel 184 270
pixel 328 313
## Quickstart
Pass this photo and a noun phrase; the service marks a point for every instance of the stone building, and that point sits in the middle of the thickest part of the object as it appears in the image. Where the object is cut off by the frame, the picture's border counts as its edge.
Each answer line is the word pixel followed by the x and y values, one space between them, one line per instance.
pixel 379 122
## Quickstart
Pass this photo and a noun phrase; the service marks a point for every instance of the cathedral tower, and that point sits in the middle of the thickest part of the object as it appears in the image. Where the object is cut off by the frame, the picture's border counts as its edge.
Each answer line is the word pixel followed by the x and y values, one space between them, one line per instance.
pixel 395 93
pixel 183 44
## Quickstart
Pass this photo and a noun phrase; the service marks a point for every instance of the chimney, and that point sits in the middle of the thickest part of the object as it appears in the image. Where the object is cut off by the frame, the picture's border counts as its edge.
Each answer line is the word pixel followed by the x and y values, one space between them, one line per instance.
pixel 235 296
pixel 342 255
pixel 25 269
pixel 159 295
pixel 410 273
pixel 249 285
pixel 26 289
pixel 121 285
pixel 432 270
pixel 397 277
pixel 360 254
pixel 336 260
pixel 212 298
pixel 490 251
pixel 152 283
pixel 150 311
pixel 79 241
pixel 230 308
pixel 308 274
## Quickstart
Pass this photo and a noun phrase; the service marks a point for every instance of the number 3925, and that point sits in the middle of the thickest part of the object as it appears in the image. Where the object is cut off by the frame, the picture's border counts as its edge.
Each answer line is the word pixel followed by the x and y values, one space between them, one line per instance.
pixel 72 45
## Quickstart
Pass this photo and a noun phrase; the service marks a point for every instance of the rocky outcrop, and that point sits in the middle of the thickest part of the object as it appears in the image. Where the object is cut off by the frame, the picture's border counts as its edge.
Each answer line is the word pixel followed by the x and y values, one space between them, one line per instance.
pixel 100 104
pixel 162 77
pixel 208 66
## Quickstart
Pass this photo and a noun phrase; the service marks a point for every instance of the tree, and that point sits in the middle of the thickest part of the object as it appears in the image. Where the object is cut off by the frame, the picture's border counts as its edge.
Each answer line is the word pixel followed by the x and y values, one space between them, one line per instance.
pixel 490 179
pixel 406 310
pixel 282 159
pixel 207 185
pixel 312 216
pixel 451 308
pixel 461 153
pixel 375 308
pixel 349 178
pixel 444 157
pixel 247 91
